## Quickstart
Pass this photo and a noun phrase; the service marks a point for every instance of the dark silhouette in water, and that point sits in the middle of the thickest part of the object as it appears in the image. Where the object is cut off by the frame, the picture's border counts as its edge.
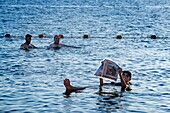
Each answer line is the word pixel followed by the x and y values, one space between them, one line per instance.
pixel 119 37
pixel 7 35
pixel 85 36
pixel 153 37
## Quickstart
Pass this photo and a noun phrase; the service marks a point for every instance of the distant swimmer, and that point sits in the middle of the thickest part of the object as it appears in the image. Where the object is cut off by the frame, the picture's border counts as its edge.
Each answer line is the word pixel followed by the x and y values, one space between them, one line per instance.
pixel 57 43
pixel 27 44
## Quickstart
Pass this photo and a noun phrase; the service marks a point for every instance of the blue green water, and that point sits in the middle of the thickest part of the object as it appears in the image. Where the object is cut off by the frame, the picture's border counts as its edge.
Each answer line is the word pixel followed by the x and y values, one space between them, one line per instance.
pixel 32 81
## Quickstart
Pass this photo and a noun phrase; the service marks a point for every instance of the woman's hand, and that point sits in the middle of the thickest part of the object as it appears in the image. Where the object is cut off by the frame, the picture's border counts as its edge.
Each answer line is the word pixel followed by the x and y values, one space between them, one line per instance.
pixel 120 70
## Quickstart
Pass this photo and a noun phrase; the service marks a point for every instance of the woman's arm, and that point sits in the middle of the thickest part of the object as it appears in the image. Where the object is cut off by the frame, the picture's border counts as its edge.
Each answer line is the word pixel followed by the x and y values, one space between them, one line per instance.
pixel 123 83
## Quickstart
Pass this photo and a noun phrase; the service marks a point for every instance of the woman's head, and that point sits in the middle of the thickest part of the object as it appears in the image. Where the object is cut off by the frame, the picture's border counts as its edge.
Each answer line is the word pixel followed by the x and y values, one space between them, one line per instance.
pixel 127 76
pixel 28 38
pixel 56 39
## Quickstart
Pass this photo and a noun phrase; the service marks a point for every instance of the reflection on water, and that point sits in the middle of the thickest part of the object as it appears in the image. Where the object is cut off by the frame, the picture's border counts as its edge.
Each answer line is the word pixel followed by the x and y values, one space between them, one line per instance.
pixel 108 101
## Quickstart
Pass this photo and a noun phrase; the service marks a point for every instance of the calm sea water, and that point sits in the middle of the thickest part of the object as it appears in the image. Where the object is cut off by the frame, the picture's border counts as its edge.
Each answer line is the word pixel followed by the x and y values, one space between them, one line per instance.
pixel 32 81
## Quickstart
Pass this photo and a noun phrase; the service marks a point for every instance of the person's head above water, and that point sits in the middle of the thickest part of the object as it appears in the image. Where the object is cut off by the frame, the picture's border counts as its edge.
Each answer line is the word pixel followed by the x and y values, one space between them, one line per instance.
pixel 28 38
pixel 57 39
pixel 67 82
pixel 127 76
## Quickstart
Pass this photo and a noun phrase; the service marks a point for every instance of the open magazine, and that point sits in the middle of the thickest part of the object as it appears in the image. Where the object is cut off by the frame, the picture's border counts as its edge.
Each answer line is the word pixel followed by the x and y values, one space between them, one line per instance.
pixel 108 69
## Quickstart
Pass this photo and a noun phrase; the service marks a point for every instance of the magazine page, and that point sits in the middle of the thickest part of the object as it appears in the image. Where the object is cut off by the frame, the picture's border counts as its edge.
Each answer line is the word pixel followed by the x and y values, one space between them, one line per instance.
pixel 108 69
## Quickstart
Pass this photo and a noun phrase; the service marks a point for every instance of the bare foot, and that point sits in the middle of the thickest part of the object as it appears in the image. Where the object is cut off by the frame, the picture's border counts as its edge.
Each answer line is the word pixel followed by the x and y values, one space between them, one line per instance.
pixel 70 88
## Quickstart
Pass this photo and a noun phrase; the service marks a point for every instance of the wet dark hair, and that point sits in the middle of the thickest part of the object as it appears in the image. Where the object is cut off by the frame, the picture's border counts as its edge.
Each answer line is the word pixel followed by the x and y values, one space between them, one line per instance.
pixel 129 74
pixel 28 35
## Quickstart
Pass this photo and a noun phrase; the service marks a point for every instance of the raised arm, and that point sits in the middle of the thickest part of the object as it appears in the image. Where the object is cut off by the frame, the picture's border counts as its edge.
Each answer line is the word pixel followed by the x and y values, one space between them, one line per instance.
pixel 123 83
pixel 101 80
